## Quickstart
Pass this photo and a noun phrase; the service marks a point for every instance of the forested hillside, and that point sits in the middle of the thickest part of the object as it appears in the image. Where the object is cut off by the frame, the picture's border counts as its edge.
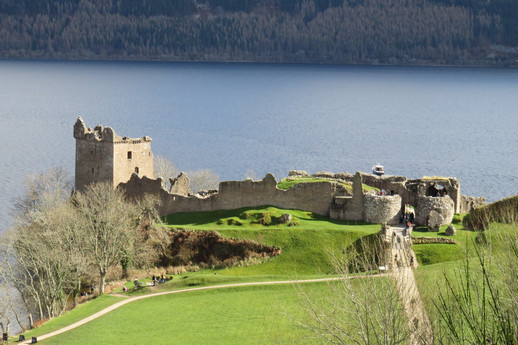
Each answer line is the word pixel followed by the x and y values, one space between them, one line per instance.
pixel 329 31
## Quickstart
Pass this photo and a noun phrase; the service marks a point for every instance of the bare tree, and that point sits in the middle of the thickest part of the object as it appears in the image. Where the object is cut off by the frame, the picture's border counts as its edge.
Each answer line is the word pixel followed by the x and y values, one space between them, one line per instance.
pixel 10 304
pixel 361 309
pixel 203 180
pixel 38 264
pixel 108 224
pixel 35 261
pixel 165 169
pixel 151 236
pixel 43 190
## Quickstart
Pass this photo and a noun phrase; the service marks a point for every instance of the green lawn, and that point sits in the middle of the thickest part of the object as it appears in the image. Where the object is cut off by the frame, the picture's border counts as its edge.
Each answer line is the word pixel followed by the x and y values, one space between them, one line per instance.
pixel 78 313
pixel 429 254
pixel 244 315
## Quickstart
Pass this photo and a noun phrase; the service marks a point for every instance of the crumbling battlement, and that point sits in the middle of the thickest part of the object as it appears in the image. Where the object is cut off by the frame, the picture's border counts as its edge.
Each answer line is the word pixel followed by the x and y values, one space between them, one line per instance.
pixel 104 134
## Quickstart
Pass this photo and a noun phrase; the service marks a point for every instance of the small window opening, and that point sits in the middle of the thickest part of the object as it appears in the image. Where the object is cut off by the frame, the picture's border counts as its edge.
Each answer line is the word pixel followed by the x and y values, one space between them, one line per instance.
pixel 91 153
pixel 92 170
pixel 129 154
pixel 136 170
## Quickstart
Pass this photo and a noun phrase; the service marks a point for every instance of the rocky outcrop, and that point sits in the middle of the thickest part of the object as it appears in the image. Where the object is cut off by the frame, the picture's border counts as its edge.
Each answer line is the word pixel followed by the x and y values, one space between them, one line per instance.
pixel 435 220
pixel 450 230
pixel 284 219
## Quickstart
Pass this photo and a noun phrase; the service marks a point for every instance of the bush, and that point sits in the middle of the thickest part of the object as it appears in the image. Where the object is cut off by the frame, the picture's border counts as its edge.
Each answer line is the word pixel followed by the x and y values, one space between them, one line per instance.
pixel 266 219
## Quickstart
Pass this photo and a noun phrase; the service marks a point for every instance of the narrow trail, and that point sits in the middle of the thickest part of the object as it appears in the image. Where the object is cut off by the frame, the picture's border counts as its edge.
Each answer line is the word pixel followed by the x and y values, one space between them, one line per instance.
pixel 127 299
pixel 421 332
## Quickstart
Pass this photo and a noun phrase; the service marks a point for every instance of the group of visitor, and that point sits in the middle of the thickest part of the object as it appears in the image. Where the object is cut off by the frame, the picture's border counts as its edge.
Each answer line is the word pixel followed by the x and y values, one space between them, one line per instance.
pixel 158 279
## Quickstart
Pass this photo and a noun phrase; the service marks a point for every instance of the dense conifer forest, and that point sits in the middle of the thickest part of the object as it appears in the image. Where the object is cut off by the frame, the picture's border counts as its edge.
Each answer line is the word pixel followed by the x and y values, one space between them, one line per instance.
pixel 466 32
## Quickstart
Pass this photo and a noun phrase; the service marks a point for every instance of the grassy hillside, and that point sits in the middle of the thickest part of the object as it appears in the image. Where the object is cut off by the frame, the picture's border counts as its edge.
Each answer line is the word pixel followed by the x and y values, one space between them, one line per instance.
pixel 306 244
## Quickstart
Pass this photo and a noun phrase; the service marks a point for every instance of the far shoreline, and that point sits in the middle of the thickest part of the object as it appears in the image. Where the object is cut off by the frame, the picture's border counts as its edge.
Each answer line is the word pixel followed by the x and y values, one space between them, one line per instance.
pixel 267 63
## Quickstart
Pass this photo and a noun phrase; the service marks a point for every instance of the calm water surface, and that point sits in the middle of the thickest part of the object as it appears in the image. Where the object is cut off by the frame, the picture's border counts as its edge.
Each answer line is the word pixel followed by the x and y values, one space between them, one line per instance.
pixel 416 121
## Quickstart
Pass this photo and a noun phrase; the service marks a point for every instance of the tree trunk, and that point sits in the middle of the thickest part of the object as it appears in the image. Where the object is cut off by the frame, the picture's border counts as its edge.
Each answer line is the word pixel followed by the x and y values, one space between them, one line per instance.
pixel 101 282
pixel 76 293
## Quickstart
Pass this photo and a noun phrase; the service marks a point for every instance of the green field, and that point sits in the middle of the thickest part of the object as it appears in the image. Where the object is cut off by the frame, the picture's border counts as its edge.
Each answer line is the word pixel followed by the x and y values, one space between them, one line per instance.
pixel 247 315
pixel 244 315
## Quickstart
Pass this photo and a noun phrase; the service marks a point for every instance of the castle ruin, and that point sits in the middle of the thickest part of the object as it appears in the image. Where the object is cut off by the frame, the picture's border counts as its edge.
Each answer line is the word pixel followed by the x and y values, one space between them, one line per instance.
pixel 103 156
pixel 127 163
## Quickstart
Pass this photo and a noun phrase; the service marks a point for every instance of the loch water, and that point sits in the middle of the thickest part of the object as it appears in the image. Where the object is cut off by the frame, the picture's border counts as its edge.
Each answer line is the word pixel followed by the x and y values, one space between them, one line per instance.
pixel 230 118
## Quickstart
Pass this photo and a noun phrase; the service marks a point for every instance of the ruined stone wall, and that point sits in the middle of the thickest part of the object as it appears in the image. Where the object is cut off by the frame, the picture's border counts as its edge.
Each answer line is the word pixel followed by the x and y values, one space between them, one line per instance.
pixel 433 240
pixel 314 197
pixel 469 203
pixel 440 208
pixel 385 208
pixel 94 163
pixel 350 207
pixel 132 156
pixel 411 190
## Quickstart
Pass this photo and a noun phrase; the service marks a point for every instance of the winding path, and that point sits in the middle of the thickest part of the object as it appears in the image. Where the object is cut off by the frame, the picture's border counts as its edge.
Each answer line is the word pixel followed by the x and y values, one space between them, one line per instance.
pixel 404 260
pixel 133 299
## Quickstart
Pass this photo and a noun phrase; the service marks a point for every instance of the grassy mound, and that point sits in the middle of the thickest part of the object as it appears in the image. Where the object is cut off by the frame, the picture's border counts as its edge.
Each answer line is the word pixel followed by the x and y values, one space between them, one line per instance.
pixel 502 211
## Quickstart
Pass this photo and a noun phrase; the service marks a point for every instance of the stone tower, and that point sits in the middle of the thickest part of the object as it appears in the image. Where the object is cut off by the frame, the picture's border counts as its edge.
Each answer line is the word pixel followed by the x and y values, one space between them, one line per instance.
pixel 103 156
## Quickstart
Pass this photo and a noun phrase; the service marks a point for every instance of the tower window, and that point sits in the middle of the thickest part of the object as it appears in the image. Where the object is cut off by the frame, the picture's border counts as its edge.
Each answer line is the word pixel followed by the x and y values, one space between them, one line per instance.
pixel 136 170
pixel 92 170
pixel 129 154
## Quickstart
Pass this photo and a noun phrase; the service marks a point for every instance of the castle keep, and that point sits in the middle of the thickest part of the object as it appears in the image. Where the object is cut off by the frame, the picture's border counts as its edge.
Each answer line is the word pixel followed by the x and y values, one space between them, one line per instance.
pixel 103 156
